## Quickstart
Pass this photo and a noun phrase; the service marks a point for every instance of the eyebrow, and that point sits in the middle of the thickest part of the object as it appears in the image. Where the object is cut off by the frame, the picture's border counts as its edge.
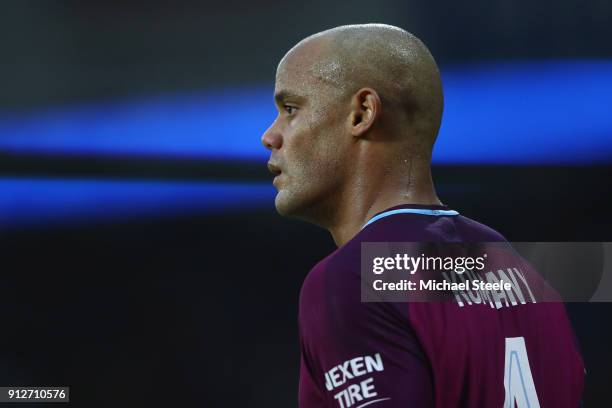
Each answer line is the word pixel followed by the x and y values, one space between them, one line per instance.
pixel 283 95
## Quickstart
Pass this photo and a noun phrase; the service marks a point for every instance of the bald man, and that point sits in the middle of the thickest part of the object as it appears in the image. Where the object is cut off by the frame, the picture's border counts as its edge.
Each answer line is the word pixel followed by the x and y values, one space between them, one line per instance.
pixel 359 111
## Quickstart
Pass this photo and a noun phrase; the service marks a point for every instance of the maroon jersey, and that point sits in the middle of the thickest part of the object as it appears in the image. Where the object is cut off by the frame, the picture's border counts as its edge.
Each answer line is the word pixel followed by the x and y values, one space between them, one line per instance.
pixel 428 354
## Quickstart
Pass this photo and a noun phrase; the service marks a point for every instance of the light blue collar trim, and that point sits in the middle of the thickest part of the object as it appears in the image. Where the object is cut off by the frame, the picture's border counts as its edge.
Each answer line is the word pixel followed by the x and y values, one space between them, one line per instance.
pixel 420 211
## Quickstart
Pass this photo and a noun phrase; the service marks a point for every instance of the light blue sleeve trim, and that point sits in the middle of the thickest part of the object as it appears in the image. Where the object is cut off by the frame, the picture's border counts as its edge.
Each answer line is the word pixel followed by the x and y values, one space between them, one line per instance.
pixel 420 211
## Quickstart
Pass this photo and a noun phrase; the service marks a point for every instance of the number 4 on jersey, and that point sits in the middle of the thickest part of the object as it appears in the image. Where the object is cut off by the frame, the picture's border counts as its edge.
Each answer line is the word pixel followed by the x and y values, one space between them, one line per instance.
pixel 518 381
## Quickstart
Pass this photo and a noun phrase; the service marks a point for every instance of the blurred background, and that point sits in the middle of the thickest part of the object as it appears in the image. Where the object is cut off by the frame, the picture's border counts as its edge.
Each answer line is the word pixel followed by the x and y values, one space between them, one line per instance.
pixel 143 261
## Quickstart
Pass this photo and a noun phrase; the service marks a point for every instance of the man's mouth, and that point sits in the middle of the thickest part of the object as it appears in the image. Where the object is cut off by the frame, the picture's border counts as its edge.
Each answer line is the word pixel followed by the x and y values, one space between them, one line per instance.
pixel 273 169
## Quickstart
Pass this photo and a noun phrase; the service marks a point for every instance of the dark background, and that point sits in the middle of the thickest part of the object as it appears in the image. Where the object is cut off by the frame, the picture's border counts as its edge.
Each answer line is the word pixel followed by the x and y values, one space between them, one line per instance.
pixel 199 309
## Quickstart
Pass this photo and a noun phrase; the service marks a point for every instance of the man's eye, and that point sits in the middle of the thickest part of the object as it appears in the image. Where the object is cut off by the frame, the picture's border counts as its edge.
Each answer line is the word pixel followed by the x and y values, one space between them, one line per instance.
pixel 289 109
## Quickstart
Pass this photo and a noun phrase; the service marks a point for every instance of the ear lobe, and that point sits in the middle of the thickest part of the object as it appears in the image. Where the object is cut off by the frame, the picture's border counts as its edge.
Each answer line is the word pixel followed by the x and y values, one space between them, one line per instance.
pixel 365 108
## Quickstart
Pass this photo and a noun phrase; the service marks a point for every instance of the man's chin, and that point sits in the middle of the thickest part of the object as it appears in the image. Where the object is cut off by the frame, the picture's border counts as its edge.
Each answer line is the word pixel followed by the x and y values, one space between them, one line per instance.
pixel 282 205
pixel 287 206
pixel 291 207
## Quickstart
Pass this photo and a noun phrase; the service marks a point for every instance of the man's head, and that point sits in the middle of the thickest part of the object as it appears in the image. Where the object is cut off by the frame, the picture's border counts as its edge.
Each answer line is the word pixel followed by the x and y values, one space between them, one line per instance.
pixel 351 100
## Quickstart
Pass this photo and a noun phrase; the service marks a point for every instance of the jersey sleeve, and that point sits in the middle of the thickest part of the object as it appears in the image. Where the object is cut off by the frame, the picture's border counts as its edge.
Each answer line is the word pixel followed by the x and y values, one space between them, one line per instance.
pixel 356 353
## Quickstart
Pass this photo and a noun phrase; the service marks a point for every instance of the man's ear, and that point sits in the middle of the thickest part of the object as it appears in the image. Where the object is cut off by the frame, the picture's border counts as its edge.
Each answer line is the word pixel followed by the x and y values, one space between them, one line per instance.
pixel 365 109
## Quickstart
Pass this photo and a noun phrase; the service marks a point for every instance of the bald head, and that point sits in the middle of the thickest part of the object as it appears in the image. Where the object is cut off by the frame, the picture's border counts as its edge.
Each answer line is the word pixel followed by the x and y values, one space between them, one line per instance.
pixel 359 108
pixel 388 59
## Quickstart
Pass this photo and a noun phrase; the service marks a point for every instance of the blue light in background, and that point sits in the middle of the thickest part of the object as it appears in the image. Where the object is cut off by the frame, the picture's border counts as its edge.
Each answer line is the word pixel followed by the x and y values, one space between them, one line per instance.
pixel 216 124
pixel 552 112
pixel 527 113
pixel 30 201
pixel 555 112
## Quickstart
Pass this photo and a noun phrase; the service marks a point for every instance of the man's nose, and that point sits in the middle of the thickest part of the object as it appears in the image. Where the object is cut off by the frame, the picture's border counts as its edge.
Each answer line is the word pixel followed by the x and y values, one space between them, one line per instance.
pixel 272 138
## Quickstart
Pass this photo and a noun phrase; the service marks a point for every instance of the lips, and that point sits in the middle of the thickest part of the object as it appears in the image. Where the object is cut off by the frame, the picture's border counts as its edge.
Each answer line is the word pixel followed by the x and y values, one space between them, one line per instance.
pixel 274 169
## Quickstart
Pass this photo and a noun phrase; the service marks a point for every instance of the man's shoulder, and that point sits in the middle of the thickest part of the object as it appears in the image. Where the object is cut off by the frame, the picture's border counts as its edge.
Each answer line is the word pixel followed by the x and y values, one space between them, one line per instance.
pixel 345 259
pixel 474 231
pixel 428 228
pixel 409 228
pixel 344 264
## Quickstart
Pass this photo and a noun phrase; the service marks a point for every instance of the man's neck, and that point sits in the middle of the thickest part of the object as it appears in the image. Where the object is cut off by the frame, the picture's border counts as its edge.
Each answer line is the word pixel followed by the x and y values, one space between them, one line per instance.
pixel 355 213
